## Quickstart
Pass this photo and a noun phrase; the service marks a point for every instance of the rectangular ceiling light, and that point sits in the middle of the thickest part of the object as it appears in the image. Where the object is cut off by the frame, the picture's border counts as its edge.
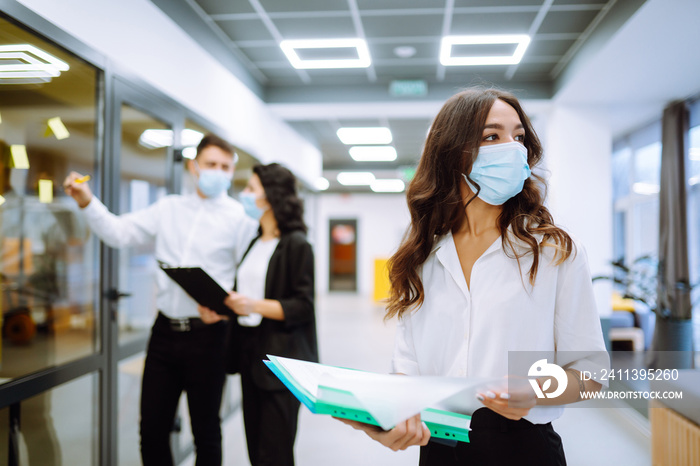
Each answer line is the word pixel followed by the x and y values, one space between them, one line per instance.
pixel 289 47
pixel 355 178
pixel 387 186
pixel 373 153
pixel 375 135
pixel 158 138
pixel 447 59
pixel 27 63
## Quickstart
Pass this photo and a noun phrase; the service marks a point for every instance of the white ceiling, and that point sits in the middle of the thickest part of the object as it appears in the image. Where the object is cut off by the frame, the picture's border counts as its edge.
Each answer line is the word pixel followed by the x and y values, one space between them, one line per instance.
pixel 622 58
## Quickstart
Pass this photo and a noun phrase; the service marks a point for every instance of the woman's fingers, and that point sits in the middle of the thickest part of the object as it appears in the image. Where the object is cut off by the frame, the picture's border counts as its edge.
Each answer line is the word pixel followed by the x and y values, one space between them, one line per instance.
pixel 407 433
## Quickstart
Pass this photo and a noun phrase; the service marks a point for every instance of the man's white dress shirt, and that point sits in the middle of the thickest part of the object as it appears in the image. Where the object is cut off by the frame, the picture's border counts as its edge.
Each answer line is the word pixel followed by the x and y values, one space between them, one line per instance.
pixel 462 331
pixel 188 231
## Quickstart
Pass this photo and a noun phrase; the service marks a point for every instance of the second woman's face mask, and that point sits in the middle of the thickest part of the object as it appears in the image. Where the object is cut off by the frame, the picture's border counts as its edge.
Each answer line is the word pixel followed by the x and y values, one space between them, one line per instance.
pixel 500 170
pixel 248 201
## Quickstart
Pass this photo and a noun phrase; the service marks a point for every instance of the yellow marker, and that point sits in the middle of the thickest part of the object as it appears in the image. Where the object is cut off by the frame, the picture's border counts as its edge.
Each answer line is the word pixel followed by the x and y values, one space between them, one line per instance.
pixel 82 179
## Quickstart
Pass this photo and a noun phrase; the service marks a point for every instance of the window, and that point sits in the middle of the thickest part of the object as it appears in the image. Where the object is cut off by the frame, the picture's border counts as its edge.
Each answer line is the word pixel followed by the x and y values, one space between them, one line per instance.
pixel 636 175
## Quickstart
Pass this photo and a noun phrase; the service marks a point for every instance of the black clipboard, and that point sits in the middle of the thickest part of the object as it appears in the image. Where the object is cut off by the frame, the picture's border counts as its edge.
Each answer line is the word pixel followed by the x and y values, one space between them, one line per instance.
pixel 201 287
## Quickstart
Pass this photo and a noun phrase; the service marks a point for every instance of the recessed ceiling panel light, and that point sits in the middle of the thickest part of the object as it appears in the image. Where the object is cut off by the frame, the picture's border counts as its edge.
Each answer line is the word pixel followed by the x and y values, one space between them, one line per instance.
pixel 377 135
pixel 373 153
pixel 355 178
pixel 447 59
pixel 387 186
pixel 404 51
pixel 289 47
pixel 322 184
pixel 156 138
pixel 190 137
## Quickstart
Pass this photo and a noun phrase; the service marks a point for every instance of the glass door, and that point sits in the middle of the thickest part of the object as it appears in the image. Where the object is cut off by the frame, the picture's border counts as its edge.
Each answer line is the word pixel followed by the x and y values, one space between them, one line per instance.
pixel 144 168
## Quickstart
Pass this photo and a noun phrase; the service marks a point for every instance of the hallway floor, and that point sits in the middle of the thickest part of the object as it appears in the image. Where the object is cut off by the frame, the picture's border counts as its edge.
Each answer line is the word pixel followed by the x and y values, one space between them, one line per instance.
pixel 353 334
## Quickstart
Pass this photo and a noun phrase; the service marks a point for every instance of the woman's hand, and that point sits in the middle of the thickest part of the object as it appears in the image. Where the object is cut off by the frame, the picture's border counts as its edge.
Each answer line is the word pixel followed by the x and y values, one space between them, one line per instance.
pixel 410 432
pixel 513 402
pixel 208 316
pixel 240 304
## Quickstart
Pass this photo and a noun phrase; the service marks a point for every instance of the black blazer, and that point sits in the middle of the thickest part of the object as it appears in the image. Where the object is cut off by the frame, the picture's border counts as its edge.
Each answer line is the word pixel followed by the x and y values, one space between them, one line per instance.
pixel 290 280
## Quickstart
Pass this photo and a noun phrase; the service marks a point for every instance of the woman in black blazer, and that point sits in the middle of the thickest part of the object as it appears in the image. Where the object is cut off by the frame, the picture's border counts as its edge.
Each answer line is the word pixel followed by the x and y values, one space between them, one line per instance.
pixel 274 302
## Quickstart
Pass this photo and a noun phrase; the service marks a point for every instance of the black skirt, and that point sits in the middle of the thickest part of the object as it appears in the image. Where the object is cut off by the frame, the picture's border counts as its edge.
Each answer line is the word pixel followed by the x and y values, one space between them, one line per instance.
pixel 496 440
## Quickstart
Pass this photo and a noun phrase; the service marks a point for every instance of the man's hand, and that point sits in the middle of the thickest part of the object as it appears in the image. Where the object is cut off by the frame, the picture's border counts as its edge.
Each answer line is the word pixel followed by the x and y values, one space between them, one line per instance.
pixel 208 316
pixel 240 304
pixel 410 432
pixel 78 191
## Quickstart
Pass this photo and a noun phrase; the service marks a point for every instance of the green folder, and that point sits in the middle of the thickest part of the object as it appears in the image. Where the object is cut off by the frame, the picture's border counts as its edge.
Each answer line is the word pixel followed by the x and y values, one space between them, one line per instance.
pixel 444 425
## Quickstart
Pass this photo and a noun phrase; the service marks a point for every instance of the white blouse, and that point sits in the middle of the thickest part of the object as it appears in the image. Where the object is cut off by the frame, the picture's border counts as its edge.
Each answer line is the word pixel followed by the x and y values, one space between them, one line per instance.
pixel 462 331
pixel 252 275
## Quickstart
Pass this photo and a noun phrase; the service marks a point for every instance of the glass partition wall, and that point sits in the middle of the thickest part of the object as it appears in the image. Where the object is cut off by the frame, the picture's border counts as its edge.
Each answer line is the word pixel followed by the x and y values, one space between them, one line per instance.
pixel 49 263
pixel 75 315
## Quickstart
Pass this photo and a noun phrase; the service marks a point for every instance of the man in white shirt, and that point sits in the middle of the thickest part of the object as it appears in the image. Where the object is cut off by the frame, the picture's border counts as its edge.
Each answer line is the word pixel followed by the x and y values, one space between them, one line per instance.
pixel 206 229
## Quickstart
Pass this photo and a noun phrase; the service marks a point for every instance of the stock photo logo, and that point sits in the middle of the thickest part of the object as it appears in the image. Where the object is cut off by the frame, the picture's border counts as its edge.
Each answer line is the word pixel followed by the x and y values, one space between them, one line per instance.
pixel 542 368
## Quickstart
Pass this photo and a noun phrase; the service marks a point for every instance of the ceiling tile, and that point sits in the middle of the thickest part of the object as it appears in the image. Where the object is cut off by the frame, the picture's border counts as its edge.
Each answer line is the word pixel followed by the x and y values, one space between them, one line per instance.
pixel 503 23
pixel 385 51
pixel 496 3
pixel 265 54
pixel 216 7
pixel 548 47
pixel 409 71
pixel 249 29
pixel 426 25
pixel 567 21
pixel 396 5
pixel 292 28
pixel 274 6
pixel 580 2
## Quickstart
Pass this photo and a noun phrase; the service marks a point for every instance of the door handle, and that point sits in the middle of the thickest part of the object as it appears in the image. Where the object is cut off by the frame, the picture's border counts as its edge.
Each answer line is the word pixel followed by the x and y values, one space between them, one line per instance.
pixel 114 294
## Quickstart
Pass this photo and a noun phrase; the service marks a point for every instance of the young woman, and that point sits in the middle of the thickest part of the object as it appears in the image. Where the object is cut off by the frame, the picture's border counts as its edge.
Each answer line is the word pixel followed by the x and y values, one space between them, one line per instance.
pixel 484 271
pixel 274 302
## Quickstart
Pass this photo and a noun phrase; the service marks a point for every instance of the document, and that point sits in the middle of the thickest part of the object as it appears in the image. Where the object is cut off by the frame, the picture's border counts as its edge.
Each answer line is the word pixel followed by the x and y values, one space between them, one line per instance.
pixel 201 287
pixel 384 399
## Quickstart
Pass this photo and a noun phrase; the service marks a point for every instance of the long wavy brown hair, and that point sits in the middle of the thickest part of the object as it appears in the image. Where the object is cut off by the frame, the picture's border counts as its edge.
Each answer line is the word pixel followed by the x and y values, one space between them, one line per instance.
pixel 436 205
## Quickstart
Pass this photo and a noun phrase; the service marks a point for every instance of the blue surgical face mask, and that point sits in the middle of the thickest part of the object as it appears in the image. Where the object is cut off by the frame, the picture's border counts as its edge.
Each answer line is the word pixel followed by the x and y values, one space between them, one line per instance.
pixel 251 209
pixel 500 170
pixel 213 182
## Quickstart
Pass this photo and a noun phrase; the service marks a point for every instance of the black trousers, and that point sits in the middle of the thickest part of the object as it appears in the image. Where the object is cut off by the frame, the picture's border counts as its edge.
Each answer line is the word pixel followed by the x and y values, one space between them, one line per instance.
pixel 270 419
pixel 495 440
pixel 175 361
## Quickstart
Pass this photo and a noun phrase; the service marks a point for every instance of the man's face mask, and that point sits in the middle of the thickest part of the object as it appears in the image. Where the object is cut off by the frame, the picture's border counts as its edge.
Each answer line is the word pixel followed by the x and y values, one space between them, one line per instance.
pixel 212 182
pixel 500 170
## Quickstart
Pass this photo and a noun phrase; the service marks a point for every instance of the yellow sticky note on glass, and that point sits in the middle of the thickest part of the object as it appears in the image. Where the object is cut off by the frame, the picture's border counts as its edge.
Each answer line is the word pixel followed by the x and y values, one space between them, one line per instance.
pixel 19 156
pixel 58 128
pixel 46 191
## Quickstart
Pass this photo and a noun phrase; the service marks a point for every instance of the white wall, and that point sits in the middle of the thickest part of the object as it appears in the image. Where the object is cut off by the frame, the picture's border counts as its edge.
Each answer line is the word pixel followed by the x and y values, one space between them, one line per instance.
pixel 382 220
pixel 578 151
pixel 139 37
